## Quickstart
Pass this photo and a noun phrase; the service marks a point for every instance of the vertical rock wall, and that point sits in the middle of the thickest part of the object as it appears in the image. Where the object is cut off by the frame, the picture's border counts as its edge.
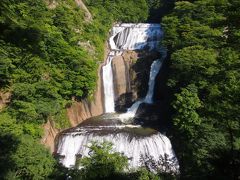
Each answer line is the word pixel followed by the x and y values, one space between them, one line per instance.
pixel 50 133
pixel 131 73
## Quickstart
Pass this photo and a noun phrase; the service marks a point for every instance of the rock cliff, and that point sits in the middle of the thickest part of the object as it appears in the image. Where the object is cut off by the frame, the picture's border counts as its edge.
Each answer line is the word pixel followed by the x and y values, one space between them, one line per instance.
pixel 4 99
pixel 50 133
pixel 88 15
pixel 130 72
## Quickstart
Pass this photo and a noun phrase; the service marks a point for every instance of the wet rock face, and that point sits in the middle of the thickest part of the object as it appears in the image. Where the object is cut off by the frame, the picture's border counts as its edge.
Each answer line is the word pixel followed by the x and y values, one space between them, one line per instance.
pixel 131 72
pixel 78 112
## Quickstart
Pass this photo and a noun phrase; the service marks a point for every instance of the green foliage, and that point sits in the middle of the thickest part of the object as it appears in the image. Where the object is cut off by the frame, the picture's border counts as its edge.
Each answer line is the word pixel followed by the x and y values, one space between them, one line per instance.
pixel 158 9
pixel 144 174
pixel 9 126
pixel 124 10
pixel 47 57
pixel 33 130
pixel 32 160
pixel 186 104
pixel 41 62
pixel 187 26
pixel 194 60
pixel 154 4
pixel 102 163
pixel 21 156
pixel 61 119
pixel 202 38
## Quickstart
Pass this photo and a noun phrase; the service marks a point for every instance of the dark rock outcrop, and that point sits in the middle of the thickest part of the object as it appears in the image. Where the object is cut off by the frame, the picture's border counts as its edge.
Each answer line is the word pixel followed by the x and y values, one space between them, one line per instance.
pixel 131 73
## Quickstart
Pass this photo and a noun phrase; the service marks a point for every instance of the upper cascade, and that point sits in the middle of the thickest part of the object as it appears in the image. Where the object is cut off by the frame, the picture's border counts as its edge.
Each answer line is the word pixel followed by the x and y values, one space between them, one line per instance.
pixel 127 36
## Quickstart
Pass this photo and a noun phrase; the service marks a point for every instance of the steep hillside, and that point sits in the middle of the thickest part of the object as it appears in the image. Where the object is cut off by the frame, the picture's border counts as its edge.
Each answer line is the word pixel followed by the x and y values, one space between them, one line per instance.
pixel 203 41
pixel 50 51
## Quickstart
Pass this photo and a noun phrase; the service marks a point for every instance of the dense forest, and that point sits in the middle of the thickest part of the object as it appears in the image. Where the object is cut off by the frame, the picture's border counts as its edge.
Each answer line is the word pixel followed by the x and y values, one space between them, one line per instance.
pixel 50 54
pixel 203 41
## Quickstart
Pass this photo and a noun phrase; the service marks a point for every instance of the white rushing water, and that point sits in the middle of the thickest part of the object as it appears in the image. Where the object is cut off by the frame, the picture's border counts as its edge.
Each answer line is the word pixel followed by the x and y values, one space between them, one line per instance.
pixel 155 67
pixel 155 145
pixel 135 36
pixel 108 86
pixel 127 37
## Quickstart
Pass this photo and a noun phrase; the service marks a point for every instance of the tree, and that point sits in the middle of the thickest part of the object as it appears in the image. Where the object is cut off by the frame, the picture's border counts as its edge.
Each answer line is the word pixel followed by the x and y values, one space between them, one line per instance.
pixel 102 163
pixel 202 37
pixel 32 160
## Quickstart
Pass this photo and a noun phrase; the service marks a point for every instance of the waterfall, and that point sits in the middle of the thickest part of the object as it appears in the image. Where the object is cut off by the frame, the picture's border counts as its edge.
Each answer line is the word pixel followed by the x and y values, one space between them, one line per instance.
pixel 134 147
pixel 155 68
pixel 133 141
pixel 107 76
pixel 135 36
pixel 126 37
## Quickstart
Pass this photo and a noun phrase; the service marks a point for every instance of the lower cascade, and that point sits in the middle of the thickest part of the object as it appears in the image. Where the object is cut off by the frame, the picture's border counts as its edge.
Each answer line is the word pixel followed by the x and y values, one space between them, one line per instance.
pixel 139 144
